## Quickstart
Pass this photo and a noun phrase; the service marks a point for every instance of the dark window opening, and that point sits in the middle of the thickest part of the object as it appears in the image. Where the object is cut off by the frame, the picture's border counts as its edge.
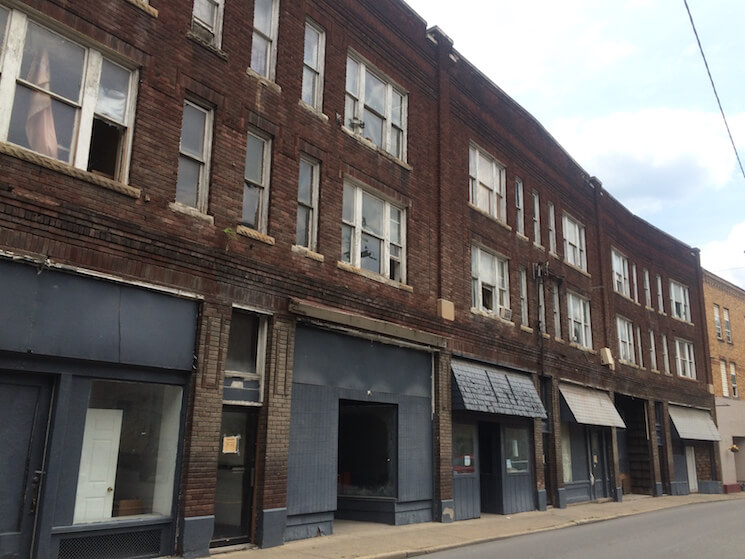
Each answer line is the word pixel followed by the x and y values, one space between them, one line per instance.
pixel 106 139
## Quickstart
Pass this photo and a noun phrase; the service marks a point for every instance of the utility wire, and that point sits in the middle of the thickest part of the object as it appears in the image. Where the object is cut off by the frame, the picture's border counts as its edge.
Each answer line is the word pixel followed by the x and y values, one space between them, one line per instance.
pixel 729 133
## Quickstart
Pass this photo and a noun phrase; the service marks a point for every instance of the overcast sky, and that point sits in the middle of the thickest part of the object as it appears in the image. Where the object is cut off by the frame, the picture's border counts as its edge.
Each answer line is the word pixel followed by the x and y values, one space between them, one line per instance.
pixel 622 87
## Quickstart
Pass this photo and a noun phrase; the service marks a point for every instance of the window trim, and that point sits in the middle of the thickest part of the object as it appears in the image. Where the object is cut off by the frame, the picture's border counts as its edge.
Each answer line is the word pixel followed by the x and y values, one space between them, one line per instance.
pixel 262 226
pixel 577 251
pixel 677 288
pixel 519 206
pixel 666 355
pixel 585 321
pixel 727 325
pixel 718 323
pixel 216 31
pixel 557 309
pixel 271 62
pixel 203 187
pixel 653 365
pixel 621 281
pixel 498 201
pixel 660 296
pixel 319 72
pixel 733 379
pixel 685 364
pixel 524 309
pixel 724 376
pixel 536 219
pixel 626 345
pixel 315 167
pixel 551 228
pixel 647 290
pixel 501 287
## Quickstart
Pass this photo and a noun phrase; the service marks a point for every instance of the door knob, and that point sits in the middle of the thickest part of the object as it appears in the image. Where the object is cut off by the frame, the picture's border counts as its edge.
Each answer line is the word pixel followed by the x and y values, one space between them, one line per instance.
pixel 109 490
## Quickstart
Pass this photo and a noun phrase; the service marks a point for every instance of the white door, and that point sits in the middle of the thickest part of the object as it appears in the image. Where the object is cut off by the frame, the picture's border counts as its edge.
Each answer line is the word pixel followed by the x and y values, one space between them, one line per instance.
pixel 94 500
pixel 691 466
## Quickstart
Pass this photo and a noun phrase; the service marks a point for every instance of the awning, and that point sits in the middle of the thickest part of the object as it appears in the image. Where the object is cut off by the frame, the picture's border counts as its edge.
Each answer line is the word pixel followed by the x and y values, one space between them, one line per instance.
pixel 590 406
pixel 492 390
pixel 694 424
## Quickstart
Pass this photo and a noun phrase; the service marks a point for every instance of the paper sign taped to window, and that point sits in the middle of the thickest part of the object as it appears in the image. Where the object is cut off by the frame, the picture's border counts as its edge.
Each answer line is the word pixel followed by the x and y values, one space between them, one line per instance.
pixel 230 444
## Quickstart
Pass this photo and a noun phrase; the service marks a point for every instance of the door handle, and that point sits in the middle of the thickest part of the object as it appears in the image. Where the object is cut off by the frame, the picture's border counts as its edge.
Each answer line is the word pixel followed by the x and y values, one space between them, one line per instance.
pixel 35 489
pixel 109 489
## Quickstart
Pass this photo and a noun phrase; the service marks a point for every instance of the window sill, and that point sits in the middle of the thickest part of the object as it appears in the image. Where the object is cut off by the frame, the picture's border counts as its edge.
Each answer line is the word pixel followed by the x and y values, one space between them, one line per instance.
pixel 490 216
pixel 521 236
pixel 209 46
pixel 580 270
pixel 55 165
pixel 255 235
pixel 527 329
pixel 145 7
pixel 629 364
pixel 554 254
pixel 546 335
pixel 681 320
pixel 492 316
pixel 690 379
pixel 180 208
pixel 654 371
pixel 373 276
pixel 560 340
pixel 314 111
pixel 623 295
pixel 368 144
pixel 539 246
pixel 662 313
pixel 582 348
pixel 263 80
pixel 307 253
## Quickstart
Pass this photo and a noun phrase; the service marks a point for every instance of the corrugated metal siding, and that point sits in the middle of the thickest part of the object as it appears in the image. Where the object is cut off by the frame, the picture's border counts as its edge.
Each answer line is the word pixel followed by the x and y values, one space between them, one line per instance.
pixel 518 494
pixel 466 497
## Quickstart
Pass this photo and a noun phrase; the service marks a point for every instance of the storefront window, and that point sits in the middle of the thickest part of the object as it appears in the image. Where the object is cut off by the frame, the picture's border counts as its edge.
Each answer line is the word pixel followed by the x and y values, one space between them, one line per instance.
pixel 130 446
pixel 516 450
pixel 464 453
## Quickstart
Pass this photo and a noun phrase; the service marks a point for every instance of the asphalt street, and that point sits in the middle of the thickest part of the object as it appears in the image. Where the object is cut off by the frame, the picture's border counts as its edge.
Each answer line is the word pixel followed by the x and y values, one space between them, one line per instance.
pixel 703 531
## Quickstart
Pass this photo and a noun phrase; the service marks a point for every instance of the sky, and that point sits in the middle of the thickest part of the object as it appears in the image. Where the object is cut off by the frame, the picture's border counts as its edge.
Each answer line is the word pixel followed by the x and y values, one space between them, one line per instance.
pixel 622 86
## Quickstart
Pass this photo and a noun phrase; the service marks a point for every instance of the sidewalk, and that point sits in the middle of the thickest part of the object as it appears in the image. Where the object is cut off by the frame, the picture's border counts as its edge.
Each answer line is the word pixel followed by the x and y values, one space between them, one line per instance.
pixel 357 540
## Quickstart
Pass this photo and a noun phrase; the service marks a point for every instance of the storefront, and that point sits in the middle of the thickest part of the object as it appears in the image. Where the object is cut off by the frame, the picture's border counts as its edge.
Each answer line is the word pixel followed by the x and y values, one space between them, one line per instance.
pixel 93 378
pixel 586 444
pixel 693 436
pixel 493 414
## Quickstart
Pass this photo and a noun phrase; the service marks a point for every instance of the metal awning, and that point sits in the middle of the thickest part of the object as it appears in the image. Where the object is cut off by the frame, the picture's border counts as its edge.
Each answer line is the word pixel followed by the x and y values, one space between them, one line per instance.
pixel 590 406
pixel 694 424
pixel 492 390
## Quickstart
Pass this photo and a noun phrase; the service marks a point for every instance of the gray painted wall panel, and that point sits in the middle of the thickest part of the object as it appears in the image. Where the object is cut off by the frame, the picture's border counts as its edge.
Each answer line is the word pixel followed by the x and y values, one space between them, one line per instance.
pixel 518 493
pixel 414 449
pixel 466 497
pixel 17 296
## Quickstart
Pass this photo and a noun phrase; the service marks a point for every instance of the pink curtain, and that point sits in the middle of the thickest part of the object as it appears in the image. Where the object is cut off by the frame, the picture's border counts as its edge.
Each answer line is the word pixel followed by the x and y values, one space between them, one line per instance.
pixel 40 131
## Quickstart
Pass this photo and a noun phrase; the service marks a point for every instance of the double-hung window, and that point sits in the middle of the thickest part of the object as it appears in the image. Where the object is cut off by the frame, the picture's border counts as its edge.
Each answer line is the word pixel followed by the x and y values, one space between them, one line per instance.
pixel 636 283
pixel 63 100
pixel 307 203
pixel 679 302
pixel 206 20
pixel 375 108
pixel 733 378
pixel 639 347
pixel 487 178
pixel 652 351
pixel 192 183
pixel 727 328
pixel 578 312
pixel 724 377
pixel 684 359
pixel 660 297
pixel 551 228
pixel 557 310
pixel 536 219
pixel 490 290
pixel 620 273
pixel 717 322
pixel 665 354
pixel 256 182
pixel 524 297
pixel 625 340
pixel 373 233
pixel 647 290
pixel 313 60
pixel 541 308
pixel 519 207
pixel 574 242
pixel 244 366
pixel 264 40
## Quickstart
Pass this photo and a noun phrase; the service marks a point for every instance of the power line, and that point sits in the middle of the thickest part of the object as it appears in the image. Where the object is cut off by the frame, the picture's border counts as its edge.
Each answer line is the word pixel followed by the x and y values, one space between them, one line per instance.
pixel 700 48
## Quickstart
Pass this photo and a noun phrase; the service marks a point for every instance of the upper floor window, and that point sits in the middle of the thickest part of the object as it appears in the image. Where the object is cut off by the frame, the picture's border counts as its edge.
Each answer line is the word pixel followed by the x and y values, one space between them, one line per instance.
pixel 733 378
pixel 375 108
pixel 557 309
pixel 536 219
pixel 551 228
pixel 578 311
pixel 665 354
pixel 256 182
pixel 524 297
pixel 373 233
pixel 621 273
pixel 244 366
pixel 519 206
pixel 727 329
pixel 192 182
pixel 574 242
pixel 652 351
pixel 647 290
pixel 684 359
pixel 206 21
pixel 724 378
pixel 307 203
pixel 487 183
pixel 64 100
pixel 636 283
pixel 313 59
pixel 717 322
pixel 625 340
pixel 660 297
pixel 264 40
pixel 679 303
pixel 490 289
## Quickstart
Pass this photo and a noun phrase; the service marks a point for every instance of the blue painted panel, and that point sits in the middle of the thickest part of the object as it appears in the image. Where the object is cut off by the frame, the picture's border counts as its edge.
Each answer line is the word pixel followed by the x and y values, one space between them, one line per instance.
pixel 414 449
pixel 466 497
pixel 17 298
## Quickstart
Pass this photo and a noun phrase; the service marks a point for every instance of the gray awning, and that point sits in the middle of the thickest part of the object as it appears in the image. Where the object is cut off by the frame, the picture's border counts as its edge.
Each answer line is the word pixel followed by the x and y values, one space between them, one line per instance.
pixel 694 424
pixel 492 390
pixel 590 406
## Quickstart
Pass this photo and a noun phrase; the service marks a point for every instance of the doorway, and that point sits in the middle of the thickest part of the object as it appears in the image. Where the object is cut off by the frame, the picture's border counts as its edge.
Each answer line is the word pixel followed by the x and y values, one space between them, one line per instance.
pixel 691 469
pixel 235 476
pixel 599 464
pixel 24 415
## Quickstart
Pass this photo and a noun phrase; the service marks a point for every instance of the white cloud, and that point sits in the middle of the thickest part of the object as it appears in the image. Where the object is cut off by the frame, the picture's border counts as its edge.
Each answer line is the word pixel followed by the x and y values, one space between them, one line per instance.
pixel 727 258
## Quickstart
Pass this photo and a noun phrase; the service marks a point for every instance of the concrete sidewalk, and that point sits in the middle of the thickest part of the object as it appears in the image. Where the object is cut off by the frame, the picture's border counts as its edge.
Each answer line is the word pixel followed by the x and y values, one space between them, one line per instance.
pixel 358 540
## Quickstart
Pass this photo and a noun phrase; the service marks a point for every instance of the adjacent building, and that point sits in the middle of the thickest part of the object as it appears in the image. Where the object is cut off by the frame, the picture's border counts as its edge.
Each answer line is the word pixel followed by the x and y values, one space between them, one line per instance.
pixel 272 263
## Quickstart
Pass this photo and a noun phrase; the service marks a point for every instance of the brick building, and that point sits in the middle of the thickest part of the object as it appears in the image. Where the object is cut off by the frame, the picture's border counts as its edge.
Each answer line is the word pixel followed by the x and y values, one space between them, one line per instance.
pixel 267 264
pixel 725 318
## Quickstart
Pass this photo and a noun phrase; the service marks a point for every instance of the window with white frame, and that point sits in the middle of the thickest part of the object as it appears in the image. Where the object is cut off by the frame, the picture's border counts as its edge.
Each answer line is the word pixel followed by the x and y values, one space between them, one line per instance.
pixel 660 297
pixel 264 40
pixel 206 21
pixel 665 354
pixel 375 108
pixel 486 176
pixel 636 283
pixel 373 233
pixel 244 366
pixel 557 309
pixel 307 202
pixel 727 329
pixel 724 377
pixel 684 360
pixel 652 351
pixel 679 303
pixel 256 182
pixel 490 289
pixel 541 308
pixel 192 182
pixel 536 219
pixel 551 228
pixel 733 378
pixel 717 322
pixel 313 62
pixel 520 207
pixel 524 320
pixel 647 290
pixel 639 347
pixel 64 100
pixel 625 340
pixel 574 242
pixel 620 273
pixel 578 313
